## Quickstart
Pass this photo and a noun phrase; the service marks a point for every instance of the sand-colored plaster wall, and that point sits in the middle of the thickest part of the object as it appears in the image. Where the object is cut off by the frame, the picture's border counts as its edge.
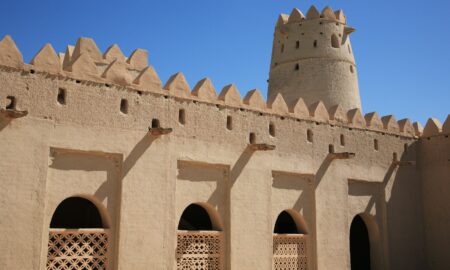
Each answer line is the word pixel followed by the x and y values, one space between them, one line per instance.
pixel 435 172
pixel 151 189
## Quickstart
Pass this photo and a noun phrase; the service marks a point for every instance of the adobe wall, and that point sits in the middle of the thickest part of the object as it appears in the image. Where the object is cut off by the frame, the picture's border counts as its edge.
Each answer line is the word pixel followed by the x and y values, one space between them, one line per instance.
pixel 435 172
pixel 89 147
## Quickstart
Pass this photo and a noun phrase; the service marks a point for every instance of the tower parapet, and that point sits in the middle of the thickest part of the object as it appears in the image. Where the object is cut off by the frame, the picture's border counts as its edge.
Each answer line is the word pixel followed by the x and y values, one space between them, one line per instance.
pixel 312 58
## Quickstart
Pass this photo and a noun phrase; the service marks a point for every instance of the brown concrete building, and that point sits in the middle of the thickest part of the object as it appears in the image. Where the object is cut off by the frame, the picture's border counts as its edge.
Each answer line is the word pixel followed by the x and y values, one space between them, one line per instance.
pixel 103 167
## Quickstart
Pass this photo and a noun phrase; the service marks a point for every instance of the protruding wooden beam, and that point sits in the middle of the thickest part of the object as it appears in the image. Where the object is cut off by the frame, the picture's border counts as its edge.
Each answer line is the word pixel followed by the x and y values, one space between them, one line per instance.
pixel 261 147
pixel 404 163
pixel 343 155
pixel 12 114
pixel 159 131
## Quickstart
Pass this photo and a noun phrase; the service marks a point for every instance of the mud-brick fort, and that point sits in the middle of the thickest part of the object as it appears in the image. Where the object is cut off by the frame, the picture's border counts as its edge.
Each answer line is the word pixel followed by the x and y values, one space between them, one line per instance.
pixel 104 167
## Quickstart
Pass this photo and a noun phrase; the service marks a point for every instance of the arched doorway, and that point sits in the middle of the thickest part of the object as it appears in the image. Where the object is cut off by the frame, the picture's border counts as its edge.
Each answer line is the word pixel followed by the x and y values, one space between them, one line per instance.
pixel 290 241
pixel 78 237
pixel 199 239
pixel 359 245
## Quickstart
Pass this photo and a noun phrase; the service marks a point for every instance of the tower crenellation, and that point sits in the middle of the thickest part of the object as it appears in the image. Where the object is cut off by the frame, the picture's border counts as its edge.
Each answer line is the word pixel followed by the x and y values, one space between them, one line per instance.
pixel 312 58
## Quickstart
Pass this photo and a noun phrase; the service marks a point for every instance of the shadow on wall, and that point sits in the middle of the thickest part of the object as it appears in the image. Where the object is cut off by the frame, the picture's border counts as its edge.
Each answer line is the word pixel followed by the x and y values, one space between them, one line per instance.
pixel 84 161
pixel 403 210
pixel 405 215
pixel 4 122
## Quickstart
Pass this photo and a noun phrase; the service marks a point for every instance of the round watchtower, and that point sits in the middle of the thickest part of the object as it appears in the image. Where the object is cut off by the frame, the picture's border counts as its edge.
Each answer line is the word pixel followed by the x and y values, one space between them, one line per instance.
pixel 312 59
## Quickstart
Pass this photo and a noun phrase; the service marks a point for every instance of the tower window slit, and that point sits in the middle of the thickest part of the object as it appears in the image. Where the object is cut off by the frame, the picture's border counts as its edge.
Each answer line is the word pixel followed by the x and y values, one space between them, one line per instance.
pixel 229 122
pixel 155 123
pixel 315 43
pixel 272 129
pixel 182 116
pixel 375 144
pixel 61 98
pixel 342 139
pixel 11 105
pixel 297 67
pixel 297 44
pixel 331 149
pixel 252 138
pixel 124 106
pixel 282 48
pixel 309 136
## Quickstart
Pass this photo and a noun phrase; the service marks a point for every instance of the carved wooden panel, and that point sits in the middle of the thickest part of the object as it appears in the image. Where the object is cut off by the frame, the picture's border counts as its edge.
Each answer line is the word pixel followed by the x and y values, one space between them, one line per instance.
pixel 78 249
pixel 289 252
pixel 199 250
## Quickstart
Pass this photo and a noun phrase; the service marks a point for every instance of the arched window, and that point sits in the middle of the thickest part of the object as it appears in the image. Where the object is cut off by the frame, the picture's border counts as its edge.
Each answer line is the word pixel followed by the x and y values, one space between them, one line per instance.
pixel 78 237
pixel 290 241
pixel 76 213
pixel 359 245
pixel 199 238
pixel 335 41
pixel 195 218
pixel 285 224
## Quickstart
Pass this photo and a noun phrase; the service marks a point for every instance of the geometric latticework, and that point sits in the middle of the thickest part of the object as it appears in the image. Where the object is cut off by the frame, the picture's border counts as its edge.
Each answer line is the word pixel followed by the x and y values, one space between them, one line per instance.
pixel 199 250
pixel 78 249
pixel 289 252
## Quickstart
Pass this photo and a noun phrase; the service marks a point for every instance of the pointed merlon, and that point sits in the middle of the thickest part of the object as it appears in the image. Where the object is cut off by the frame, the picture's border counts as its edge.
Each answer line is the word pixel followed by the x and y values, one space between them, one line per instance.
pixel 312 13
pixel 87 46
pixel 296 16
pixel 355 118
pixel 433 127
pixel 340 16
pixel 390 123
pixel 299 109
pixel 68 57
pixel 254 99
pixel 446 126
pixel 373 120
pixel 406 127
pixel 205 90
pixel 338 114
pixel 9 54
pixel 61 58
pixel 113 53
pixel 117 73
pixel 83 67
pixel 278 105
pixel 230 95
pixel 328 13
pixel 282 19
pixel 319 112
pixel 138 59
pixel 47 60
pixel 148 78
pixel 418 129
pixel 178 85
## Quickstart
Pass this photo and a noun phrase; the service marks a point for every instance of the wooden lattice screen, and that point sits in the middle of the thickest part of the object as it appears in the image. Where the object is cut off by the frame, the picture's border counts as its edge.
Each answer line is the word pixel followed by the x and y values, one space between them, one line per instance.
pixel 83 249
pixel 289 252
pixel 199 251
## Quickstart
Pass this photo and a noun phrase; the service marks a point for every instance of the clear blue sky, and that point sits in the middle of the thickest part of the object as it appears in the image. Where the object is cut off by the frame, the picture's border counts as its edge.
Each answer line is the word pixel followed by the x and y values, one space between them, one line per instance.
pixel 402 48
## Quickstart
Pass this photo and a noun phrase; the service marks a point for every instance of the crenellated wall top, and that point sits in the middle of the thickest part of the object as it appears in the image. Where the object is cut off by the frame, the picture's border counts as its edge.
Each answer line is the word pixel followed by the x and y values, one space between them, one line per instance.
pixel 85 63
